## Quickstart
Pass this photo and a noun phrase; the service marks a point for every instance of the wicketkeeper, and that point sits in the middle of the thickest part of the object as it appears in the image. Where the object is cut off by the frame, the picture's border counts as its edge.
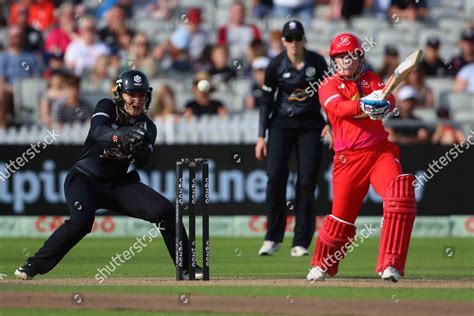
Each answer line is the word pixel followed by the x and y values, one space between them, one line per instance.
pixel 120 134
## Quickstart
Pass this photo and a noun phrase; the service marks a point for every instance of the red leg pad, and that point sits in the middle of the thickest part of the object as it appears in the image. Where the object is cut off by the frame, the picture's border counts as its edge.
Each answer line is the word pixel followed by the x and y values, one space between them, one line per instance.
pixel 398 217
pixel 334 237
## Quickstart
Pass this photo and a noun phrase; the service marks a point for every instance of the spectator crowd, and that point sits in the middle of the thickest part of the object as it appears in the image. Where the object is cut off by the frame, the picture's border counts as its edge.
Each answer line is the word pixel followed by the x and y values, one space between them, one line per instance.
pixel 78 48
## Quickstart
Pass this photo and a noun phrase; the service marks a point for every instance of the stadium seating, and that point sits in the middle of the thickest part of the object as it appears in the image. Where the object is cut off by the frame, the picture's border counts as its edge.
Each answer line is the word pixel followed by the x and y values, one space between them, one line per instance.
pixel 27 95
pixel 446 19
pixel 439 86
pixel 457 101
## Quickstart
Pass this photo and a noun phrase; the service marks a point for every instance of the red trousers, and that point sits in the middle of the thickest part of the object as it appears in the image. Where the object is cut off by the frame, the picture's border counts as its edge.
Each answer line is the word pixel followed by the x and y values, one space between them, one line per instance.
pixel 355 170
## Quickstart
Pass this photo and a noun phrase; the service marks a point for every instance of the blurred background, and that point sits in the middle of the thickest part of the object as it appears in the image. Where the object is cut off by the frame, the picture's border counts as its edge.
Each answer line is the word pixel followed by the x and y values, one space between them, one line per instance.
pixel 58 58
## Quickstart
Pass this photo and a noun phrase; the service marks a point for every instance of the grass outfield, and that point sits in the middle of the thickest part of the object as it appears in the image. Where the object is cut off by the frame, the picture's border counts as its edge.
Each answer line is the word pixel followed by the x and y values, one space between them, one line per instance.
pixel 236 258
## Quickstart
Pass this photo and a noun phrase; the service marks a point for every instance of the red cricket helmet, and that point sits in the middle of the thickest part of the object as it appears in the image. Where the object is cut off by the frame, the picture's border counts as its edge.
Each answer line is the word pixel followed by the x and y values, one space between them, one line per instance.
pixel 345 43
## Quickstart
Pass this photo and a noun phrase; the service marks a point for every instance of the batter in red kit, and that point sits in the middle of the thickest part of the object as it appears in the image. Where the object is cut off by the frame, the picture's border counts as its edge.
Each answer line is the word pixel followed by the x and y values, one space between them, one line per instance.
pixel 363 156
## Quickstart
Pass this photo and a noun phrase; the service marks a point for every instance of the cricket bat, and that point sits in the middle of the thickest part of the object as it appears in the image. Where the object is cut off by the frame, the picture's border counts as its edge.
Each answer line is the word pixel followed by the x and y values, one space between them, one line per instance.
pixel 402 71
pixel 399 74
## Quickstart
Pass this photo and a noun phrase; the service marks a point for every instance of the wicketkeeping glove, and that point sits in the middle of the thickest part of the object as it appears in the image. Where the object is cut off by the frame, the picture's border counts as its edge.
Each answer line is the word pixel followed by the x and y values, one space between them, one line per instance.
pixel 131 140
pixel 133 135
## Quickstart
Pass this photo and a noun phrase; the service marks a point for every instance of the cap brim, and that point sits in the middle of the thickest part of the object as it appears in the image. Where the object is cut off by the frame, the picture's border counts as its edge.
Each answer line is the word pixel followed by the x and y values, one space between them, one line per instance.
pixel 293 33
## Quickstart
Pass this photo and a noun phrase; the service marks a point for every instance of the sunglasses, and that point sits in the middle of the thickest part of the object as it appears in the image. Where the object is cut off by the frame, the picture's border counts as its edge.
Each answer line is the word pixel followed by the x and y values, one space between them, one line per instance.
pixel 294 38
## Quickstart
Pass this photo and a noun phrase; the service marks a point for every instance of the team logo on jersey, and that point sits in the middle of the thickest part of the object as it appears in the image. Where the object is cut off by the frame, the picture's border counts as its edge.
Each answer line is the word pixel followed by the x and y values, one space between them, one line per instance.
pixel 137 79
pixel 115 138
pixel 381 84
pixel 364 82
pixel 345 40
pixel 310 72
pixel 298 95
pixel 342 86
pixel 287 75
pixel 266 88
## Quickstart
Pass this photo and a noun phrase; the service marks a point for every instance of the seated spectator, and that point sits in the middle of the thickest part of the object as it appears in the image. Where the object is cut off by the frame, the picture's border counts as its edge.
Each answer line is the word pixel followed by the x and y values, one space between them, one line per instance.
pixel 432 64
pixel 261 8
pixel 100 78
pixel 163 106
pixel 123 43
pixel 275 45
pixel 54 92
pixel 40 13
pixel 32 38
pixel 70 108
pixel 116 26
pixel 381 8
pixel 464 81
pixel 15 64
pixel 256 49
pixel 103 7
pixel 186 44
pixel 139 56
pixel 302 9
pixel 54 61
pixel 163 9
pixel 467 52
pixel 255 99
pixel 345 9
pixel 416 80
pixel 60 37
pixel 406 128
pixel 446 133
pixel 412 10
pixel 390 62
pixel 82 52
pixel 202 103
pixel 220 70
pixel 237 34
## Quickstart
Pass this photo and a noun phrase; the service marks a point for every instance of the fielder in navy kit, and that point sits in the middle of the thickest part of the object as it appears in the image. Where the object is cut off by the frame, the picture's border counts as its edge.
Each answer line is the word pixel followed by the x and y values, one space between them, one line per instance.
pixel 120 134
pixel 291 112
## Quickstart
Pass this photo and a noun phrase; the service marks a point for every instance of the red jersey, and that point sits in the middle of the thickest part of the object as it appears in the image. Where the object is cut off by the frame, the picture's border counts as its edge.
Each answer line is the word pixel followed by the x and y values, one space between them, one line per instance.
pixel 340 100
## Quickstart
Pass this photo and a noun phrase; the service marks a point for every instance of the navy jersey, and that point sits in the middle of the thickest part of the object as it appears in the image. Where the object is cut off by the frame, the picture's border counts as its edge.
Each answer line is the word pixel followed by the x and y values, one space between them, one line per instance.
pixel 289 99
pixel 102 135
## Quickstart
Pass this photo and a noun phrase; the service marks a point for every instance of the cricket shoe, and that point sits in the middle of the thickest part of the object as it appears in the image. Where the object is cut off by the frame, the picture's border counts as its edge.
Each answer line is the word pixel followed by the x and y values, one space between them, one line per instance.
pixel 299 251
pixel 316 274
pixel 25 272
pixel 390 274
pixel 199 274
pixel 269 248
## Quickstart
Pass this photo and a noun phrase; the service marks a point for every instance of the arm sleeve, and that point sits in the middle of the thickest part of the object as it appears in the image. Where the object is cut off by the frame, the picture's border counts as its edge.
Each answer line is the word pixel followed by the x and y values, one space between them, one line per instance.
pixel 102 118
pixel 336 104
pixel 256 32
pixel 269 88
pixel 222 35
pixel 180 39
pixel 377 84
pixel 69 54
pixel 2 63
pixel 142 157
pixel 464 72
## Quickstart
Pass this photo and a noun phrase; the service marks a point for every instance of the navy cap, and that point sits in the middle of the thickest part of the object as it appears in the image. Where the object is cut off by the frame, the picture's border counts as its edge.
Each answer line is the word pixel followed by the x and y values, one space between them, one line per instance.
pixel 433 41
pixel 292 27
pixel 468 35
